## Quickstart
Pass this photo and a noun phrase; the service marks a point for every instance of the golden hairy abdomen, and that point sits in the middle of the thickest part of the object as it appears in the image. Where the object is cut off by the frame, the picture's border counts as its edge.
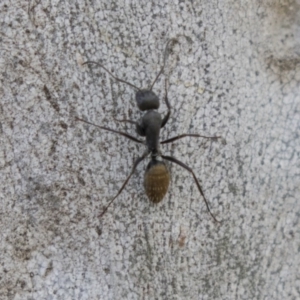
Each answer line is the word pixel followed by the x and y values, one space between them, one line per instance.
pixel 156 182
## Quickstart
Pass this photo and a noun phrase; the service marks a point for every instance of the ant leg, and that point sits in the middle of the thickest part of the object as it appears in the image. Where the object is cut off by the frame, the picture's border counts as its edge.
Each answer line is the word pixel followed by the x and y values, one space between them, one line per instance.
pixel 112 130
pixel 125 121
pixel 166 117
pixel 187 134
pixel 126 181
pixel 176 161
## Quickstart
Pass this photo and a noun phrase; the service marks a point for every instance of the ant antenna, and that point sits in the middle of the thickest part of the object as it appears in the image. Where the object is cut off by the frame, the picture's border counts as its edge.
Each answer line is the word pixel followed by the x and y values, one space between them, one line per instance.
pixel 164 63
pixel 113 76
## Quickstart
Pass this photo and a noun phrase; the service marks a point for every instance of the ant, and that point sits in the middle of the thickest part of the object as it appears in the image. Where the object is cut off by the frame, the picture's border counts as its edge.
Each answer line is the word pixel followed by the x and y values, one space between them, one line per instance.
pixel 157 176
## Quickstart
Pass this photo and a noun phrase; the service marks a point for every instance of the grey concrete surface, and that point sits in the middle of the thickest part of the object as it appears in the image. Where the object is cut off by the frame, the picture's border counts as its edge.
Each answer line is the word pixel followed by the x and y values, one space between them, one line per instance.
pixel 234 73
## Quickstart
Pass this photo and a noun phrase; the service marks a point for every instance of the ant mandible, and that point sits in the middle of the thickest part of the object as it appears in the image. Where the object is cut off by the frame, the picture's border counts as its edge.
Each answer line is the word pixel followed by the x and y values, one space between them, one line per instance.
pixel 157 176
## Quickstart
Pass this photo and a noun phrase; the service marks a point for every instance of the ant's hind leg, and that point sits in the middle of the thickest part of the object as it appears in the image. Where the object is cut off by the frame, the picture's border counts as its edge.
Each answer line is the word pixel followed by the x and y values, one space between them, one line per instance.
pixel 178 162
pixel 126 181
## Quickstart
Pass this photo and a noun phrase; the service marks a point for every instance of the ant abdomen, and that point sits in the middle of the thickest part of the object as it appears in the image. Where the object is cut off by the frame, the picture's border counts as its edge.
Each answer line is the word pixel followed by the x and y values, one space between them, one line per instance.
pixel 156 180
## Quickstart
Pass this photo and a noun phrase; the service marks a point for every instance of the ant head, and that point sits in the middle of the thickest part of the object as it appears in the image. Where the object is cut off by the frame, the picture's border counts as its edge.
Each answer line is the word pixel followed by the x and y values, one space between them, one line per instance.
pixel 146 100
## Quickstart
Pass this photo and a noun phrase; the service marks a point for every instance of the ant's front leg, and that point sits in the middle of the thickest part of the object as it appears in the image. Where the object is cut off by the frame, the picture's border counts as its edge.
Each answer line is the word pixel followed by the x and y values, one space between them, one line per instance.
pixel 166 117
pixel 130 137
pixel 125 121
pixel 138 126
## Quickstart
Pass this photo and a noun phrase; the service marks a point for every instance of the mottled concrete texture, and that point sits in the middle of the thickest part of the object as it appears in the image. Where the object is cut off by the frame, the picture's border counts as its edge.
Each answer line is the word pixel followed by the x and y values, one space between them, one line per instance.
pixel 234 73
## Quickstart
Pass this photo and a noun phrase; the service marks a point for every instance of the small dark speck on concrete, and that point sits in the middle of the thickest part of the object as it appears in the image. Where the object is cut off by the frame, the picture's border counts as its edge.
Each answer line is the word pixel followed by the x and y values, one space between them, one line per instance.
pixel 98 230
pixel 52 101
pixel 81 180
pixel 63 125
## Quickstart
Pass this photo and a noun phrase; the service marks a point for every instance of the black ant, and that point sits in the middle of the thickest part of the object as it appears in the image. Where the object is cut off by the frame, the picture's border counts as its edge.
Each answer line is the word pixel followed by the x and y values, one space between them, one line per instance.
pixel 157 176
